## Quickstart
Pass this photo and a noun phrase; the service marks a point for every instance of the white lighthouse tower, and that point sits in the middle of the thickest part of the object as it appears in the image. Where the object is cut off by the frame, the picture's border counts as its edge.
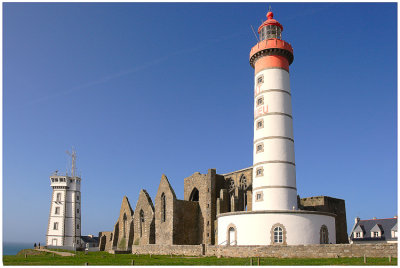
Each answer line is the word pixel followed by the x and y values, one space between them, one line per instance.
pixel 274 186
pixel 64 228
pixel 275 218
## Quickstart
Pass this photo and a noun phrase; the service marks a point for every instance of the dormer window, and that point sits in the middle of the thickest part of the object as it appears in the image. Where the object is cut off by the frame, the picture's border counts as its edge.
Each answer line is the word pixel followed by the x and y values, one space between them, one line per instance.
pixel 394 231
pixel 375 234
pixel 358 235
pixel 376 231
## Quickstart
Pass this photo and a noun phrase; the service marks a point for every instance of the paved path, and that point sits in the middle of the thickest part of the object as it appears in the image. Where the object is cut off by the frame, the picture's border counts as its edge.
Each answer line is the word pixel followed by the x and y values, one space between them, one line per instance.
pixel 64 254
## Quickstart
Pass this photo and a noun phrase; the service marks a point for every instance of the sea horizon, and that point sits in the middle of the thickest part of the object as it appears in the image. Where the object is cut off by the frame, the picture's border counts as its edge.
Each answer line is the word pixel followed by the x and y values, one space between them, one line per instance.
pixel 12 248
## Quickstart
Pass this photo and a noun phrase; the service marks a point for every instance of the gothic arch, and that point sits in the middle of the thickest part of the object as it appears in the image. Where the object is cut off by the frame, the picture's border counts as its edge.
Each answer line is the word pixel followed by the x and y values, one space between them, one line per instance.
pixel 163 207
pixel 141 223
pixel 324 235
pixel 194 195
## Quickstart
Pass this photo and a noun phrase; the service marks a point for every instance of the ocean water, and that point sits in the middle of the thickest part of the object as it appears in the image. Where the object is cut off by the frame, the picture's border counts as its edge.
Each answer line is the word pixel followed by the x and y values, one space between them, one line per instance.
pixel 12 248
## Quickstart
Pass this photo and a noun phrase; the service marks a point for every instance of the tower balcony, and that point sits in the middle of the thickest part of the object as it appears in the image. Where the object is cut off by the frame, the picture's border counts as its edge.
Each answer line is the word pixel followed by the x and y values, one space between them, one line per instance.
pixel 272 46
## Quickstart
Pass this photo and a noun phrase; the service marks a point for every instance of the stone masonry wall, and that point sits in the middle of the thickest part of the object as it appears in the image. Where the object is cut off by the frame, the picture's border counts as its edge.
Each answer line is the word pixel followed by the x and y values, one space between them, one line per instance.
pixel 186 215
pixel 124 238
pixel 303 251
pixel 105 241
pixel 164 213
pixel 242 181
pixel 144 227
pixel 206 186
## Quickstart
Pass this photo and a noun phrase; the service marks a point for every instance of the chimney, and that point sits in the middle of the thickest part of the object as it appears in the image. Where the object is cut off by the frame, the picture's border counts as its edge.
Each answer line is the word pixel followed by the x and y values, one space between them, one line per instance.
pixel 357 219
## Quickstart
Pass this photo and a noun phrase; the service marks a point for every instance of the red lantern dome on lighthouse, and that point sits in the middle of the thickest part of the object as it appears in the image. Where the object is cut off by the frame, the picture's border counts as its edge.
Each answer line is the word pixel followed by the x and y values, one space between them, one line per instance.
pixel 271 28
pixel 271 51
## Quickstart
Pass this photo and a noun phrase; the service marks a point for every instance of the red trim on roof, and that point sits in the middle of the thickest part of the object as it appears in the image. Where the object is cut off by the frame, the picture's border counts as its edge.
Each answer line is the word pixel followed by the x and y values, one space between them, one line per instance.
pixel 379 219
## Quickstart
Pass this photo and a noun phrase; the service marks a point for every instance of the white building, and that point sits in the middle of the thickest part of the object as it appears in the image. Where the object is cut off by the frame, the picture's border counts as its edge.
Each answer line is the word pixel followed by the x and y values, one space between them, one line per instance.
pixel 275 218
pixel 64 227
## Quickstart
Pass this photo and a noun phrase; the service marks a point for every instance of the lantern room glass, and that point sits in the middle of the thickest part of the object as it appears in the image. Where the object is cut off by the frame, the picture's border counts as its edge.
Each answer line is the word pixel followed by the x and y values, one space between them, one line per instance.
pixel 270 31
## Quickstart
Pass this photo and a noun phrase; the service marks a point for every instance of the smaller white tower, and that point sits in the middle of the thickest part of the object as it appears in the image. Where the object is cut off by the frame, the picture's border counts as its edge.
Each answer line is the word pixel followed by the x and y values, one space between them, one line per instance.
pixel 64 228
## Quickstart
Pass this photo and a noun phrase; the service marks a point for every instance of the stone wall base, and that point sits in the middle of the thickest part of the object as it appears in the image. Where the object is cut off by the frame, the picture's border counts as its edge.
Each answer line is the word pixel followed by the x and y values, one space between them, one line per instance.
pixel 303 251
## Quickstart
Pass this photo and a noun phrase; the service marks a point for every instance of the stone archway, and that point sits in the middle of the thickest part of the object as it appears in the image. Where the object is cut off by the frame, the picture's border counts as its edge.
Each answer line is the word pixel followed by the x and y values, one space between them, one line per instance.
pixel 194 195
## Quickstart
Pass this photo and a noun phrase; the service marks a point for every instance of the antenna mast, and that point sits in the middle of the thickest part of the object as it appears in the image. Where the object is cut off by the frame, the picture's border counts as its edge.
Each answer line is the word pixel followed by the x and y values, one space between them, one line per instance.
pixel 254 33
pixel 73 161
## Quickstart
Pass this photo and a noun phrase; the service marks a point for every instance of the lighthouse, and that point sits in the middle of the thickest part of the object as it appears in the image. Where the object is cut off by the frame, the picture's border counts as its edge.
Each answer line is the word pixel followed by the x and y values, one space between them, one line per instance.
pixel 64 226
pixel 275 218
pixel 274 184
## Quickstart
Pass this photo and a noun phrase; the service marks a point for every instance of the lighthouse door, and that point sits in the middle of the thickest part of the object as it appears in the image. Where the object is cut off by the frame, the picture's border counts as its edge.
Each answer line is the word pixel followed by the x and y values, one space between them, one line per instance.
pixel 54 243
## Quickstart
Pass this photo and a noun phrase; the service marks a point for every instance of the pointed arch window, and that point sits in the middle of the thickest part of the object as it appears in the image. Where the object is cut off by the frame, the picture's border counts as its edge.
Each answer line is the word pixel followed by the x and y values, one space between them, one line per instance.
pixel 324 235
pixel 194 196
pixel 124 225
pixel 141 224
pixel 163 207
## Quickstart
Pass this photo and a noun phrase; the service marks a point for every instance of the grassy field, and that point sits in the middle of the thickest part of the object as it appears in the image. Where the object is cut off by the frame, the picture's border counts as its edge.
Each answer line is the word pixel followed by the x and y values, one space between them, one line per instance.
pixel 103 258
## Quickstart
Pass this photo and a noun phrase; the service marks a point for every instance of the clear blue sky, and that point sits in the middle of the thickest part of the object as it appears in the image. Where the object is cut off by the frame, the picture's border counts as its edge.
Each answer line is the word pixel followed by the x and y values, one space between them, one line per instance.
pixel 142 89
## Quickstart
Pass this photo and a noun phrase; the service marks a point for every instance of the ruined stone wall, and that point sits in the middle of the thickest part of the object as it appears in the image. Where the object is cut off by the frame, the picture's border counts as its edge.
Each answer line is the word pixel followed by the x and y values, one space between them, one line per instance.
pixel 105 241
pixel 186 220
pixel 164 213
pixel 332 205
pixel 205 184
pixel 186 250
pixel 123 239
pixel 239 184
pixel 144 220
pixel 303 251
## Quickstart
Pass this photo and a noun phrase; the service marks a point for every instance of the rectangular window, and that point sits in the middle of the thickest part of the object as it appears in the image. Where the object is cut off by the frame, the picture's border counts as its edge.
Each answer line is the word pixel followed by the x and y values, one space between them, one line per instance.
pixel 260 124
pixel 260 148
pixel 77 226
pixel 58 197
pixel 260 101
pixel 259 172
pixel 358 235
pixel 376 234
pixel 260 80
pixel 394 233
pixel 77 210
pixel 77 197
pixel 57 212
pixel 55 226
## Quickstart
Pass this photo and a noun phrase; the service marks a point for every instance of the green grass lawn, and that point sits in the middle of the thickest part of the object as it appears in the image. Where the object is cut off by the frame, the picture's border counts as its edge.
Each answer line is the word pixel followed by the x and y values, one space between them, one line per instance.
pixel 104 258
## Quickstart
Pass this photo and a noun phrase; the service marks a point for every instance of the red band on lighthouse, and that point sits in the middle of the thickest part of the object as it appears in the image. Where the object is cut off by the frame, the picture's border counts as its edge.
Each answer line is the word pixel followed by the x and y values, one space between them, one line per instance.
pixel 272 61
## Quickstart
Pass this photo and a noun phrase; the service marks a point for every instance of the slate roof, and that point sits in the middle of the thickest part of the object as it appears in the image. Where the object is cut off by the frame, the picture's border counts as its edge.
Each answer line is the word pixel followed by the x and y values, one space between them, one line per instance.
pixel 88 239
pixel 385 225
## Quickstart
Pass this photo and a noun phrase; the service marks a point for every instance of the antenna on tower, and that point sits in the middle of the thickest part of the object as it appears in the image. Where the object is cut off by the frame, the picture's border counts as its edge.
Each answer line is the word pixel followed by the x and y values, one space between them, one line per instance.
pixel 73 161
pixel 269 9
pixel 254 33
